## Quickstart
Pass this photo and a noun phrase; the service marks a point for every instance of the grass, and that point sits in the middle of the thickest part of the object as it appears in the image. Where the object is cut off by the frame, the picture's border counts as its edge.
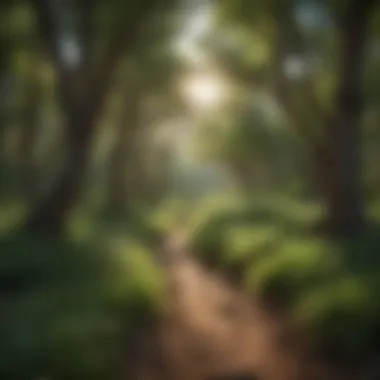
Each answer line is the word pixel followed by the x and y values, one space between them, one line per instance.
pixel 330 288
pixel 71 307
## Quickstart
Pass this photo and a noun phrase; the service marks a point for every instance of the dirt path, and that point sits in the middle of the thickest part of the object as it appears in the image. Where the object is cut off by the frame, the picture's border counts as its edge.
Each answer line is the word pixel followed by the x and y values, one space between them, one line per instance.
pixel 214 332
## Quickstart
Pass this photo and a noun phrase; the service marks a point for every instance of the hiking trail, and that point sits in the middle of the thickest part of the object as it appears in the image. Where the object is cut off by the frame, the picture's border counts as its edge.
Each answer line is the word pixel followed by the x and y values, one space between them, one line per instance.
pixel 215 332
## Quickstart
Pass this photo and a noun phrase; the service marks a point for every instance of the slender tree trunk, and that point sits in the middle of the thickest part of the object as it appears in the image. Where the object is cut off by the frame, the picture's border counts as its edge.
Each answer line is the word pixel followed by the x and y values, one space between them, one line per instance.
pixel 340 193
pixel 28 140
pixel 339 175
pixel 2 158
pixel 340 168
pixel 3 129
pixel 122 161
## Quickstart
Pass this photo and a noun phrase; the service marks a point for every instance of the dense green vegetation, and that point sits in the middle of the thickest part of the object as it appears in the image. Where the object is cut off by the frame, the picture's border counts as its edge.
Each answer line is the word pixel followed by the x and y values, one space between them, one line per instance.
pixel 72 307
pixel 268 245
pixel 250 126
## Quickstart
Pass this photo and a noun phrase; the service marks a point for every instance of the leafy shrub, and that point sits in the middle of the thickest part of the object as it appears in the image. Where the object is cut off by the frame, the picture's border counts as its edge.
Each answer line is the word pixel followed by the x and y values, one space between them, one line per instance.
pixel 329 287
pixel 69 307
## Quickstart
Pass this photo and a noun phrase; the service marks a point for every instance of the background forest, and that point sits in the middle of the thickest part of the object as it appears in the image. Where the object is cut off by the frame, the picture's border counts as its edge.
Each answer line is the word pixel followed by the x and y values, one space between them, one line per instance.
pixel 248 130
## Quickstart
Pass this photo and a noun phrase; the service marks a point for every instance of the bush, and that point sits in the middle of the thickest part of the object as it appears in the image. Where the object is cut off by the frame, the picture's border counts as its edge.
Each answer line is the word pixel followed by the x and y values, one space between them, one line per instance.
pixel 328 287
pixel 341 315
pixel 69 307
pixel 167 214
pixel 293 267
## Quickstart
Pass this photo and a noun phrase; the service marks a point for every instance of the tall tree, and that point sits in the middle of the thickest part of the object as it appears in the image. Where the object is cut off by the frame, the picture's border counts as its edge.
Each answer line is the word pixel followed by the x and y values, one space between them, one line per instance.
pixel 150 70
pixel 330 130
pixel 29 123
pixel 85 43
pixel 5 63
pixel 122 163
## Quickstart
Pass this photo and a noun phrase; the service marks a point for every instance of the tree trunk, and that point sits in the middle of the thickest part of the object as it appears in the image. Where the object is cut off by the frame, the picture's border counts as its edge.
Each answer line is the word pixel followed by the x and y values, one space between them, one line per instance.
pixel 337 155
pixel 339 184
pixel 342 180
pixel 49 215
pixel 82 88
pixel 120 190
pixel 122 161
pixel 27 142
pixel 2 142
pixel 339 166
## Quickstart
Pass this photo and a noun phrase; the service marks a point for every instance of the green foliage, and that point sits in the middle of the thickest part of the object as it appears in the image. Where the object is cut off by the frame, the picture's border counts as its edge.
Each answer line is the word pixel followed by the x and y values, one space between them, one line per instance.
pixel 251 141
pixel 249 12
pixel 330 288
pixel 105 20
pixel 168 213
pixel 71 308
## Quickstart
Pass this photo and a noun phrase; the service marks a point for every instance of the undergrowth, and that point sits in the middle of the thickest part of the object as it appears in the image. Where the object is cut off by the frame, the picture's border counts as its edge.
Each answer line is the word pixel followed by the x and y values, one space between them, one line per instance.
pixel 71 307
pixel 330 288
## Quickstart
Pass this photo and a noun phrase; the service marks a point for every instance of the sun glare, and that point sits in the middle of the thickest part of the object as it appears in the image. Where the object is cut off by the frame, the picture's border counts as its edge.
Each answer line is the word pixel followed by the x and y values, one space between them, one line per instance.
pixel 204 91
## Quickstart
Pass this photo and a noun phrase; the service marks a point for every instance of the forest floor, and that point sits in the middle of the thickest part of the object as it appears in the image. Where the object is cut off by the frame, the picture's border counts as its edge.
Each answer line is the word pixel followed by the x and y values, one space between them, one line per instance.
pixel 215 332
